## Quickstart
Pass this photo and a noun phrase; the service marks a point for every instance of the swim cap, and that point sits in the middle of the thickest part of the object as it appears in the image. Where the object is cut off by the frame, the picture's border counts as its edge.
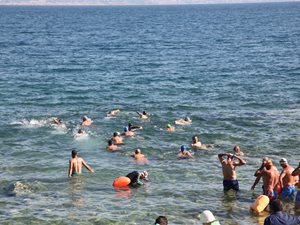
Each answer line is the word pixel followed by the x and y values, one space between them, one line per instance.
pixel 118 133
pixel 283 161
pixel 269 162
pixel 168 125
pixel 145 173
pixel 183 148
pixel 60 121
pixel 125 129
pixel 130 125
pixel 187 119
pixel 85 117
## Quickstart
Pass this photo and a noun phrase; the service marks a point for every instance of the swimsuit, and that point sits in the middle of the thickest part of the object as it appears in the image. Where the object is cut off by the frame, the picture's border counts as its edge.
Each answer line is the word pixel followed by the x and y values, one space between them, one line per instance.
pixel 288 191
pixel 135 178
pixel 298 196
pixel 77 174
pixel 271 194
pixel 230 184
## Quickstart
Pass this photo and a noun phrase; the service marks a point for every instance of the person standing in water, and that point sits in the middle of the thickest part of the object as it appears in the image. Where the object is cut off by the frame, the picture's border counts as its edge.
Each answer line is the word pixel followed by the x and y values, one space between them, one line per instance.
pixel 76 165
pixel 228 168
pixel 117 139
pixel 286 179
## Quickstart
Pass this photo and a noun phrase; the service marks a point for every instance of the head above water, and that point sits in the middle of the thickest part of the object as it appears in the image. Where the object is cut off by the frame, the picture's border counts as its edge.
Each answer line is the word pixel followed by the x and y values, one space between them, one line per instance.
pixel 60 121
pixel 169 125
pixel 80 131
pixel 110 142
pixel 125 129
pixel 161 220
pixel 74 153
pixel 283 161
pixel 144 174
pixel 138 151
pixel 236 148
pixel 269 163
pixel 183 148
pixel 85 118
pixel 130 125
pixel 187 119
pixel 145 113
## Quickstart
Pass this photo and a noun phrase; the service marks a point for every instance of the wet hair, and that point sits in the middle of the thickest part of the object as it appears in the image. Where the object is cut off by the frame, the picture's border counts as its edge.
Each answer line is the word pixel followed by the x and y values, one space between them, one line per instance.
pixel 116 134
pixel 145 113
pixel 74 152
pixel 80 131
pixel 277 205
pixel 161 220
pixel 137 151
pixel 110 142
pixel 130 125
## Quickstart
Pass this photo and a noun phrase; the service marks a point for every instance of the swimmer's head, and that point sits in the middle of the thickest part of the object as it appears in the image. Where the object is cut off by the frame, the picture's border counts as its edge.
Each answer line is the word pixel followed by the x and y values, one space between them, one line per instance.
pixel 168 126
pixel 236 148
pixel 187 119
pixel 283 161
pixel 130 125
pixel 144 174
pixel 125 129
pixel 110 142
pixel 265 159
pixel 138 151
pixel 85 118
pixel 60 121
pixel 183 148
pixel 74 153
pixel 145 113
pixel 80 131
pixel 118 133
pixel 269 162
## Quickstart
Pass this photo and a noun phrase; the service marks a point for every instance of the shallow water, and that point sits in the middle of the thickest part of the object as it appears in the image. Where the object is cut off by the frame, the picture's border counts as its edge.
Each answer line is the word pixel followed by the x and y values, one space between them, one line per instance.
pixel 233 69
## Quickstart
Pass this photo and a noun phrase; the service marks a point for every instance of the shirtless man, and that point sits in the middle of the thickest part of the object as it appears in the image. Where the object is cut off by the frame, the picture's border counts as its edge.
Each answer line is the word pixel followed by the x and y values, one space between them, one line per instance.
pixel 117 139
pixel 59 122
pixel 137 154
pixel 196 143
pixel 80 133
pixel 113 112
pixel 135 177
pixel 286 179
pixel 130 127
pixel 127 132
pixel 170 128
pixel 238 151
pixel 270 176
pixel 185 121
pixel 264 160
pixel 111 146
pixel 143 116
pixel 184 153
pixel 296 173
pixel 86 122
pixel 228 167
pixel 76 165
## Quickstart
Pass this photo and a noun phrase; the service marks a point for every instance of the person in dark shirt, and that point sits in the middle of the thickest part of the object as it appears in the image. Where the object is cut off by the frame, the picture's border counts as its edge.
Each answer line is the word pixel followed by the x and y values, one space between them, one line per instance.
pixel 135 177
pixel 277 218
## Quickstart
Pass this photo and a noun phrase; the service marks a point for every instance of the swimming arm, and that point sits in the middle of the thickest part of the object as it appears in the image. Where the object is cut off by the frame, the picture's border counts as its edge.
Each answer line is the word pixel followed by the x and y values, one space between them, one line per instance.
pixel 241 161
pixel 86 166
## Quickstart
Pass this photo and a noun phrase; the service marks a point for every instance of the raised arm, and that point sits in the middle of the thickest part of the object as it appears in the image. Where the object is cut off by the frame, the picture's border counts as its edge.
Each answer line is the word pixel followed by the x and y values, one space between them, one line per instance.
pixel 241 161
pixel 139 113
pixel 221 155
pixel 260 171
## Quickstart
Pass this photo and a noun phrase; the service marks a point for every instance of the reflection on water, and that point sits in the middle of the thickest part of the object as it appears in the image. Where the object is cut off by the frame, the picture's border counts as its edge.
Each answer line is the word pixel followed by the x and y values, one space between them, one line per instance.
pixel 76 192
pixel 123 196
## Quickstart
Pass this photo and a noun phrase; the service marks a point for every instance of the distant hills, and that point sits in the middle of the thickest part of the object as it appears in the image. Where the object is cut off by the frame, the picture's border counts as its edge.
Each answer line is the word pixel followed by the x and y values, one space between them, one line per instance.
pixel 130 2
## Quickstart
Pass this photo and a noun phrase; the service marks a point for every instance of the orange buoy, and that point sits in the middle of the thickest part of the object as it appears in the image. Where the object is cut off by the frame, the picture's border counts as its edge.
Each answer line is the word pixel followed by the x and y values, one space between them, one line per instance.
pixel 121 181
pixel 142 159
pixel 260 204
pixel 279 189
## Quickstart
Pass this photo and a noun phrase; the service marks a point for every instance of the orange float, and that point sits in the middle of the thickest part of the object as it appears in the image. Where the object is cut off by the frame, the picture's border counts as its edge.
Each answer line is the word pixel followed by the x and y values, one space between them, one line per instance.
pixel 121 182
pixel 142 159
pixel 279 189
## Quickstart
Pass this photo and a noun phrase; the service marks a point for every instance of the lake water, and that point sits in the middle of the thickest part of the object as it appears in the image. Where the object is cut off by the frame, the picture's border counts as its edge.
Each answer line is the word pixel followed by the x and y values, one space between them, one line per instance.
pixel 233 69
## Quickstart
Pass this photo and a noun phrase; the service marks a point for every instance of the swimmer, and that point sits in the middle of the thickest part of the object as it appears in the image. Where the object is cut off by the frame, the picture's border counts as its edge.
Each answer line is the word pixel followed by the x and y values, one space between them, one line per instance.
pixel 238 152
pixel 80 133
pixel 130 127
pixel 76 165
pixel 228 168
pixel 187 120
pixel 113 112
pixel 170 128
pixel 86 122
pixel 117 139
pixel 135 177
pixel 143 116
pixel 127 132
pixel 137 154
pixel 196 143
pixel 59 122
pixel 270 176
pixel 184 153
pixel 111 146
pixel 286 179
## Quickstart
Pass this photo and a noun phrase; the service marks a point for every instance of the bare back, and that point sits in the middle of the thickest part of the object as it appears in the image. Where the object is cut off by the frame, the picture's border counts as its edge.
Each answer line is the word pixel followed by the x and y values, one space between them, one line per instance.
pixel 286 176
pixel 228 169
pixel 118 140
pixel 270 177
pixel 76 165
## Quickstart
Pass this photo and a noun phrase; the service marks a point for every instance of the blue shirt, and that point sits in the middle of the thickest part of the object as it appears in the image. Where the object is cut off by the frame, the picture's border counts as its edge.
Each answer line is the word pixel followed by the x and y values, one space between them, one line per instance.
pixel 277 218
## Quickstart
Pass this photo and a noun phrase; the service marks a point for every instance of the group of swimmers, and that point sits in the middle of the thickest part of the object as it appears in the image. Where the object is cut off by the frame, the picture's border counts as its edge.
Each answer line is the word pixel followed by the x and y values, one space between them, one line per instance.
pixel 273 182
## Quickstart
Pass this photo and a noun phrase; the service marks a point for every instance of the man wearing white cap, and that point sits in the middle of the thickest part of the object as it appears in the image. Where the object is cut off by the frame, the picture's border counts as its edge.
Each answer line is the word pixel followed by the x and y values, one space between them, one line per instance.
pixel 286 180
pixel 207 218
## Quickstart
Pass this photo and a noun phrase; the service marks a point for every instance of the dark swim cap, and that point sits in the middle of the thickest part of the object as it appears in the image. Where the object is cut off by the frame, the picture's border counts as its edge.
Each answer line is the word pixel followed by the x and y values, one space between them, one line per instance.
pixel 183 148
pixel 129 125
pixel 125 129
